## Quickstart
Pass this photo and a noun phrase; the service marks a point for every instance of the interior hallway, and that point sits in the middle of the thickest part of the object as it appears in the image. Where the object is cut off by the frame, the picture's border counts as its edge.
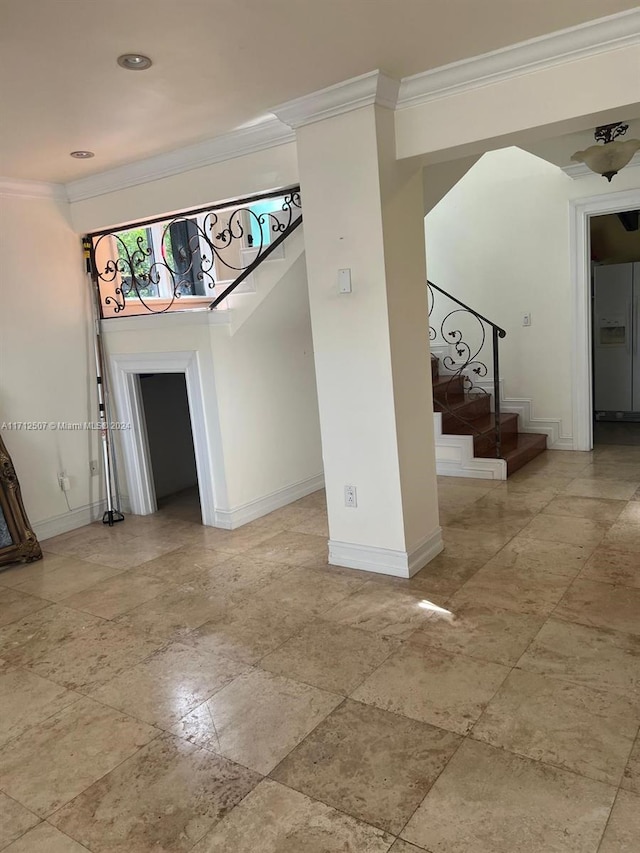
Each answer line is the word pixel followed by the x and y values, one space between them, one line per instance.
pixel 172 687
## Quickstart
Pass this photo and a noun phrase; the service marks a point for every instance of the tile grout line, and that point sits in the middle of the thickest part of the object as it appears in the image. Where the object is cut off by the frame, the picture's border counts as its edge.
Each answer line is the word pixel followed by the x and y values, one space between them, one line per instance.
pixel 335 808
pixel 66 835
pixel 49 716
pixel 608 821
pixel 26 808
pixel 112 770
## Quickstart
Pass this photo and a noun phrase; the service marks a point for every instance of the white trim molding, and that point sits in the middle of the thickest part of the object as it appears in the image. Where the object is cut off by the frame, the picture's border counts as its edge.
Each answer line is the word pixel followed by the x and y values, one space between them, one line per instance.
pixel 546 51
pixel 581 170
pixel 125 370
pixel 231 519
pixel 245 140
pixel 384 561
pixel 527 421
pixel 372 88
pixel 17 187
pixel 580 212
pixel 168 320
pixel 454 456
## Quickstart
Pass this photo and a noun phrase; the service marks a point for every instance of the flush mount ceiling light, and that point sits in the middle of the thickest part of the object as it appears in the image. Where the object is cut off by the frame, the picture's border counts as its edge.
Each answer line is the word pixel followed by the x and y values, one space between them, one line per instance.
pixel 609 158
pixel 134 62
pixel 82 155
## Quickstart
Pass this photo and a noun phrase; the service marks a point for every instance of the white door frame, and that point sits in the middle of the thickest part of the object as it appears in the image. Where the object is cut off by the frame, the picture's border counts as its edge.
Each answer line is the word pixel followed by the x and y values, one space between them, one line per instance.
pixel 125 370
pixel 581 210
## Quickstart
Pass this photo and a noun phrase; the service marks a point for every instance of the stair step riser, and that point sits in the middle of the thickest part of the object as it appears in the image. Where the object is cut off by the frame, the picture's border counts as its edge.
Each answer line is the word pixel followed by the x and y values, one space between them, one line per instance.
pixel 452 402
pixel 515 462
pixel 515 457
pixel 471 409
pixel 481 427
pixel 485 445
pixel 448 390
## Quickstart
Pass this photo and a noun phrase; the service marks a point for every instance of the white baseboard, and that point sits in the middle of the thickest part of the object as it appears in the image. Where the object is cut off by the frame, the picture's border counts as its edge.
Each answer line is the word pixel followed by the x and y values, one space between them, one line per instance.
pixel 425 551
pixel 454 456
pixel 229 520
pixel 233 518
pixel 384 561
pixel 71 520
pixel 564 443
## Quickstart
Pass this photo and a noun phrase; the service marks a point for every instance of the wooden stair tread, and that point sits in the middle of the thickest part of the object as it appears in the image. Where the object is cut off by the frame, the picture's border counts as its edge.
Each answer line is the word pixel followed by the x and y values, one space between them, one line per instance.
pixel 519 448
pixel 521 440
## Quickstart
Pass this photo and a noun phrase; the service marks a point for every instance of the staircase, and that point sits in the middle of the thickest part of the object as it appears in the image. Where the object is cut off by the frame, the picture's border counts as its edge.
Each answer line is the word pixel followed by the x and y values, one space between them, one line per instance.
pixel 469 413
pixel 474 437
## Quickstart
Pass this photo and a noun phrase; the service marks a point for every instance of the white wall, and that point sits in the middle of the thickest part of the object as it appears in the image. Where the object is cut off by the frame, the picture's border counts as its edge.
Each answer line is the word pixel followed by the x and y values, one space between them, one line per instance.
pixel 439 178
pixel 499 241
pixel 267 396
pixel 258 386
pixel 166 411
pixel 46 357
pixel 251 173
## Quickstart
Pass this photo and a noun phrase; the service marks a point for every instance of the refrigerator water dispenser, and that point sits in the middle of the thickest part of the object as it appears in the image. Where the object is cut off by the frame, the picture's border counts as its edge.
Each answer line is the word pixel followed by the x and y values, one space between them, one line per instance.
pixel 613 332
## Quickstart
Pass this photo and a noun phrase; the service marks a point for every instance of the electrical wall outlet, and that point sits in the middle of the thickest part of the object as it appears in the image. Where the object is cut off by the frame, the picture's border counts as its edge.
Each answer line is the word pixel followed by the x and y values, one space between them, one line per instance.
pixel 64 482
pixel 350 496
pixel 526 319
pixel 93 467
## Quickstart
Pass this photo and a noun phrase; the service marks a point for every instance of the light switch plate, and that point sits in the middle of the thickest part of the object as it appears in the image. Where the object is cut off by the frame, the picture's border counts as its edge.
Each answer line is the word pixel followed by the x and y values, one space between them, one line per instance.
pixel 344 281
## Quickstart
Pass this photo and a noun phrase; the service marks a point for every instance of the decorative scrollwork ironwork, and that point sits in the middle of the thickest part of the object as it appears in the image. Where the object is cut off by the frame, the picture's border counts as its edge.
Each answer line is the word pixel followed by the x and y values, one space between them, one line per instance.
pixel 467 365
pixel 159 262
pixel 608 132
pixel 466 331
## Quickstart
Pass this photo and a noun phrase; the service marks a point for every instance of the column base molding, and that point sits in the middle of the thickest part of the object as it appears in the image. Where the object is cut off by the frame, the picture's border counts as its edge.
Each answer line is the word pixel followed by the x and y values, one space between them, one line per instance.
pixel 384 561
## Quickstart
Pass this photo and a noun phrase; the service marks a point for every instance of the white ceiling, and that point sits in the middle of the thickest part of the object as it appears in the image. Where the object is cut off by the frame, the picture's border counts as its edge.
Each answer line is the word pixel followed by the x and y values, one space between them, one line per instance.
pixel 218 64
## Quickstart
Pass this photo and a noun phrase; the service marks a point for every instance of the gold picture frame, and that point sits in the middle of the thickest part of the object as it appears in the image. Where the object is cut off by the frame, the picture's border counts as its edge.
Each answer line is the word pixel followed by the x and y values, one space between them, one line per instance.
pixel 18 542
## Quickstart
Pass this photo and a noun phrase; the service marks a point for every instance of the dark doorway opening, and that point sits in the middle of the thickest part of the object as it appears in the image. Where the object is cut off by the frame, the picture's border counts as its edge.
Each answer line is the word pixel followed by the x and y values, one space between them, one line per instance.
pixel 173 463
pixel 615 258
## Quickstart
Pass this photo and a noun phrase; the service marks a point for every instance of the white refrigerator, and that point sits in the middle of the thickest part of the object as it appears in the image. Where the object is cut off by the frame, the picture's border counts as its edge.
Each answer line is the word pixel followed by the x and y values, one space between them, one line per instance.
pixel 616 344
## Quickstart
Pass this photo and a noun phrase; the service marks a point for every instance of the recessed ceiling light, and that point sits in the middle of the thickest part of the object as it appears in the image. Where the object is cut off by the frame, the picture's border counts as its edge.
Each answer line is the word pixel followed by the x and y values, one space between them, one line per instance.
pixel 82 155
pixel 134 62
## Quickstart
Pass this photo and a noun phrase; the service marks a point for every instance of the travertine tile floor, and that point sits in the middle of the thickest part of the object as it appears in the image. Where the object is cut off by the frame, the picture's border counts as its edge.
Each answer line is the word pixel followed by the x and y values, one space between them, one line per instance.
pixel 169 687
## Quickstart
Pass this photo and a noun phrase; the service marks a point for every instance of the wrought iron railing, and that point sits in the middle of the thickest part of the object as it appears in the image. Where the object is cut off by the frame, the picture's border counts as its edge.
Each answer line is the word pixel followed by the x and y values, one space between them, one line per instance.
pixel 192 260
pixel 468 333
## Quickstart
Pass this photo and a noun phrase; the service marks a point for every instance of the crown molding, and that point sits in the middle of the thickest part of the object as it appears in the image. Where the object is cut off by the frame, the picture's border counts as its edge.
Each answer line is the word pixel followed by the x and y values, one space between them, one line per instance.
pixel 245 140
pixel 580 42
pixel 372 88
pixel 17 187
pixel 581 170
